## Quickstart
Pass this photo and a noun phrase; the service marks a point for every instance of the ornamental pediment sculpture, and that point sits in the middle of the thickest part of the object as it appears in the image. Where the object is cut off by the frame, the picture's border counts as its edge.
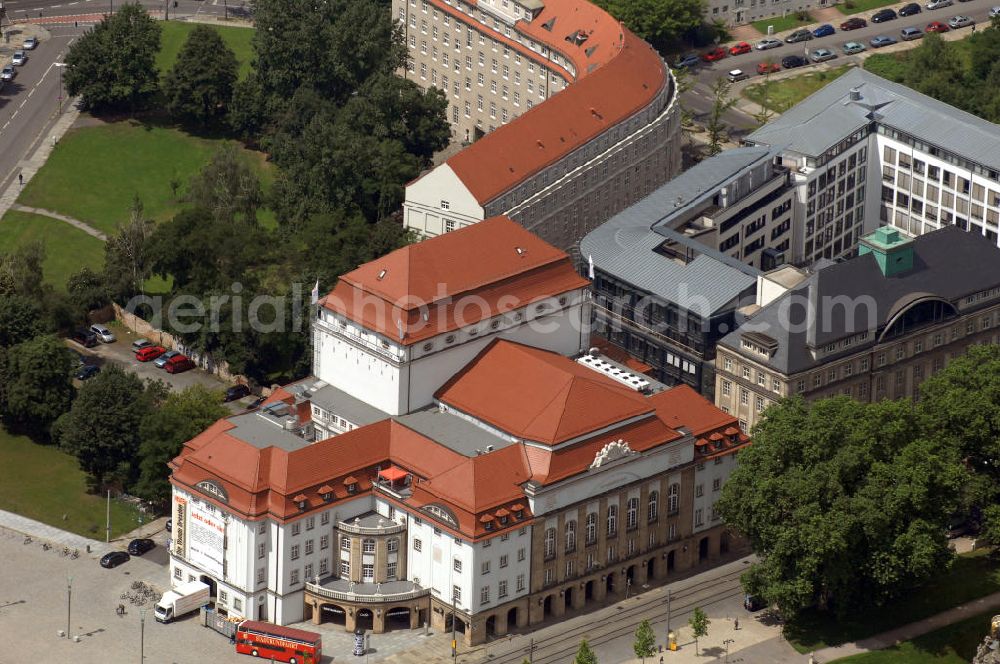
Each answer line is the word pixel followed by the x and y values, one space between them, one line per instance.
pixel 617 449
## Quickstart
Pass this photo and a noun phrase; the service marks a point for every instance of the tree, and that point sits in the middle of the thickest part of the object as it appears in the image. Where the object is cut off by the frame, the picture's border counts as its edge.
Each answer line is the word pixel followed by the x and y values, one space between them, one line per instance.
pixel 126 264
pixel 200 86
pixel 645 641
pixel 585 655
pixel 20 319
pixel 660 22
pixel 113 66
pixel 163 432
pixel 228 187
pixel 102 429
pixel 21 271
pixel 88 291
pixel 765 114
pixel 721 102
pixel 699 626
pixel 844 503
pixel 38 388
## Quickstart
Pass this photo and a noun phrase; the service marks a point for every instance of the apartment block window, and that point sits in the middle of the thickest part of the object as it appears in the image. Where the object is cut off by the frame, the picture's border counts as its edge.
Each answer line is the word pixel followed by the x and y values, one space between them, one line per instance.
pixel 262 528
pixel 900 352
pixel 699 517
pixel 368 546
pixel 632 513
pixel 520 555
pixel 759 402
pixel 457 565
pixel 223 597
pixel 502 589
pixel 392 545
pixel 653 506
pixel 296 528
pixel 324 567
pixel 611 554
pixel 761 378
pixel 864 364
pixel 570 568
pixel 345 569
pixel 503 560
pixel 726 388
pixel 672 532
pixel 308 573
pixel 417 545
pixel 310 523
pixel 775 385
pixel 743 426
pixel 746 373
pixel 630 548
pixel 717 483
pixel 673 498
pixel 520 582
pixel 612 520
pixel 728 363
pixel 591 527
pixel 295 552
pixel 390 571
pixel 309 547
pixel 367 572
pixel 324 518
pixel 260 550
pixel 549 543
pixel 699 490
pixel 744 396
pixel 570 536
pixel 261 575
pixel 651 540
pixel 294 578
pixel 547 580
pixel 484 568
pixel 179 574
pixel 345 543
pixel 456 594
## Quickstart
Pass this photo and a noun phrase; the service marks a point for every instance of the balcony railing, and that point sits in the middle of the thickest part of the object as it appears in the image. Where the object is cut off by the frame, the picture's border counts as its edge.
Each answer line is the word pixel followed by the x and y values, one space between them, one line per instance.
pixel 378 598
pixel 390 528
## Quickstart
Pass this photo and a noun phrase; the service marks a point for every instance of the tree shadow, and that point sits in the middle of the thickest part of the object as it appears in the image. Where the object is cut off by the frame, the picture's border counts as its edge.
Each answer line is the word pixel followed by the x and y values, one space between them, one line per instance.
pixel 714 651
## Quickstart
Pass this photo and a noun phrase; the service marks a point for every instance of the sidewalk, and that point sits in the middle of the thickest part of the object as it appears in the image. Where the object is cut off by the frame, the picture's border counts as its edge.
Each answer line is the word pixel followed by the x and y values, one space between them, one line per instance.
pixel 45 533
pixel 83 226
pixel 913 630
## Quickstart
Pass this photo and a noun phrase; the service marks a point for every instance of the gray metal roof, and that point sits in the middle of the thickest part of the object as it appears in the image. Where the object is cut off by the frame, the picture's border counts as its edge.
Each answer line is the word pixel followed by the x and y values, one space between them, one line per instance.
pixel 337 401
pixel 261 432
pixel 948 264
pixel 452 431
pixel 625 246
pixel 828 116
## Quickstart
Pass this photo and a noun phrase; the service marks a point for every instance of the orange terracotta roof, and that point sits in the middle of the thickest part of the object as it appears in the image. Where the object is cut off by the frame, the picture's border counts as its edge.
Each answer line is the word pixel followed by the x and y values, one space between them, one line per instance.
pixel 539 395
pixel 620 86
pixel 681 406
pixel 618 355
pixel 419 290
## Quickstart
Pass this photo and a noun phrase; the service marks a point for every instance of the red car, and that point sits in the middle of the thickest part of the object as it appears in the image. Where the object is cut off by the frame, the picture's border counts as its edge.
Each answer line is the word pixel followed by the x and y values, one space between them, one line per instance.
pixel 767 67
pixel 712 56
pixel 178 364
pixel 936 26
pixel 739 49
pixel 853 23
pixel 150 353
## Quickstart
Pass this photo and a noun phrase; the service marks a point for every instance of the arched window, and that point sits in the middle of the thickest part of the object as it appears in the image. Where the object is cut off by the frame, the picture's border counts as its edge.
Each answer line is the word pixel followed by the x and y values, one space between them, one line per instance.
pixel 591 527
pixel 550 542
pixel 632 513
pixel 654 505
pixel 570 536
pixel 368 546
pixel 612 520
pixel 673 498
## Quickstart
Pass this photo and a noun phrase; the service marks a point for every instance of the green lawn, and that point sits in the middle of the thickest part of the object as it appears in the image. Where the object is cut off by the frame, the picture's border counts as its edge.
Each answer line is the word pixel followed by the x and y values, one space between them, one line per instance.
pixel 67 249
pixel 780 95
pixel 175 33
pixel 782 23
pixel 123 159
pixel 858 6
pixel 43 483
pixel 972 575
pixel 955 644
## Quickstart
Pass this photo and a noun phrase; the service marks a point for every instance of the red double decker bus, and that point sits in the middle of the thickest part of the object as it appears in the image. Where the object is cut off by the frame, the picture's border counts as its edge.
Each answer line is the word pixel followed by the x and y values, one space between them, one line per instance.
pixel 283 644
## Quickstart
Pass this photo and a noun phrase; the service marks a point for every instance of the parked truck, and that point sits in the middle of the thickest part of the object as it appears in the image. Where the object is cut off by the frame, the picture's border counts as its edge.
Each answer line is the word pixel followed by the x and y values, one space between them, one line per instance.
pixel 181 600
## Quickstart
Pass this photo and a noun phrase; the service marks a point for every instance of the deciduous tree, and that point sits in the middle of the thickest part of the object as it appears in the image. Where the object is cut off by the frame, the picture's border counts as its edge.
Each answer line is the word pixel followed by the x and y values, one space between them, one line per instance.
pixel 20 319
pixel 721 102
pixel 660 22
pixel 126 261
pixel 699 626
pixel 38 387
pixel 584 655
pixel 200 86
pixel 645 641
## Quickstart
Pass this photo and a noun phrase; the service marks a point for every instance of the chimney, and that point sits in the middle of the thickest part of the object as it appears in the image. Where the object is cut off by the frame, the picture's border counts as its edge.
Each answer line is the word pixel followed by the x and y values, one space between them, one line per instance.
pixel 855 94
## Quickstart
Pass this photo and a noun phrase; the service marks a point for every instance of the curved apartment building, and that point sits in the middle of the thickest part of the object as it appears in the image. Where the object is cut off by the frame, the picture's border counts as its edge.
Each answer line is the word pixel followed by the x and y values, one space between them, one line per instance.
pixel 570 116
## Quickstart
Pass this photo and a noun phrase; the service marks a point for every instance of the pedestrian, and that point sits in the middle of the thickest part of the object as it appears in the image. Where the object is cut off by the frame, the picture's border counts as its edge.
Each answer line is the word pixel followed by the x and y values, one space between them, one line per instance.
pixel 20 179
pixel 736 623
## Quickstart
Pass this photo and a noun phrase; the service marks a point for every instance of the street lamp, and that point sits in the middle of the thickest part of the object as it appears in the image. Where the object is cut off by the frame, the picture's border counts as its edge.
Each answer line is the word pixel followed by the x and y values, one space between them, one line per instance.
pixel 60 66
pixel 142 635
pixel 69 603
pixel 726 643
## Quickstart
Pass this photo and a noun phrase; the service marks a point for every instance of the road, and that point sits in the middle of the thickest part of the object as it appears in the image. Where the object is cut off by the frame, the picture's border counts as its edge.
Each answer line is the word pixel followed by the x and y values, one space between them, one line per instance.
pixel 24 9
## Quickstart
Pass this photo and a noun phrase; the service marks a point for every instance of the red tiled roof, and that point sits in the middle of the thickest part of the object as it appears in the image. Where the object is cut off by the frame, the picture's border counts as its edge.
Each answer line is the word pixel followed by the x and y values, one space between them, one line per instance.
pixel 486 518
pixel 681 406
pixel 731 431
pixel 350 479
pixel 539 395
pixel 419 289
pixel 622 85
pixel 392 473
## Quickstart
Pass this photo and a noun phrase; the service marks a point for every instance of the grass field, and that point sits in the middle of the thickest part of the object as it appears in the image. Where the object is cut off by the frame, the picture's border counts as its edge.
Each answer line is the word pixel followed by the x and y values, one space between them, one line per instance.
pixel 955 644
pixel 175 33
pixel 858 6
pixel 973 575
pixel 781 23
pixel 785 93
pixel 123 159
pixel 43 483
pixel 67 249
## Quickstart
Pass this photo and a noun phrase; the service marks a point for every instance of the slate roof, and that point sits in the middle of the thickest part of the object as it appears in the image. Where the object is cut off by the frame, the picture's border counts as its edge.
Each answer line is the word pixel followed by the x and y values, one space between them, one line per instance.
pixel 949 264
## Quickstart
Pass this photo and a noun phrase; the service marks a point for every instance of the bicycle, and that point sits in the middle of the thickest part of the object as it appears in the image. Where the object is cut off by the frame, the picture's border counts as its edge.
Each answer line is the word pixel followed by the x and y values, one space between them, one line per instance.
pixel 75 554
pixel 27 539
pixel 46 546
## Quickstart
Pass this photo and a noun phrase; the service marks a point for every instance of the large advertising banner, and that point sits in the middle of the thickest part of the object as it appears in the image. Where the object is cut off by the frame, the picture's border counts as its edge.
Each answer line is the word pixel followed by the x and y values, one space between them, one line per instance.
pixel 206 540
pixel 180 525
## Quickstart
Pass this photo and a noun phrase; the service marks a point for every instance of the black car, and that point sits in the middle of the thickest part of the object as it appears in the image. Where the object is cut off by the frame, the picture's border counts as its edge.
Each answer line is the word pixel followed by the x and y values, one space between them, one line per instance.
pixel 792 61
pixel 85 338
pixel 137 547
pixel 883 15
pixel 237 392
pixel 752 603
pixel 799 35
pixel 87 372
pixel 911 9
pixel 114 559
pixel 689 60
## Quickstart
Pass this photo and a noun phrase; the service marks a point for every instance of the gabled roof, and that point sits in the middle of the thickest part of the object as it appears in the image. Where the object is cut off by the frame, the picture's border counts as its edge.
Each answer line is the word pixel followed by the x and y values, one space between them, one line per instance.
pixel 538 395
pixel 415 289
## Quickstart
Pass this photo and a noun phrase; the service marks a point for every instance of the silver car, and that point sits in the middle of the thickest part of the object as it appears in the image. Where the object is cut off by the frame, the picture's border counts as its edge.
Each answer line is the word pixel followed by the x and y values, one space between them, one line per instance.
pixel 30 44
pixel 822 55
pixel 938 4
pixel 765 44
pixel 162 360
pixel 8 73
pixel 103 333
pixel 850 48
pixel 19 58
pixel 959 21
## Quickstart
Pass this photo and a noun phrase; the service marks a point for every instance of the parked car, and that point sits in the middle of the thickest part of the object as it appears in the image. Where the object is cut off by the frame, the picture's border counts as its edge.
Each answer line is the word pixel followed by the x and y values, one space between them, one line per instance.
pixel 688 60
pixel 882 40
pixel 939 4
pixel 161 361
pixel 767 67
pixel 150 353
pixel 84 337
pixel 80 359
pixel 883 15
pixel 103 333
pixel 114 559
pixel 765 44
pixel 854 23
pixel 911 9
pixel 936 26
pixel 753 603
pixel 19 58
pixel 909 34
pixel 237 392
pixel 850 48
pixel 87 372
pixel 798 36
pixel 8 73
pixel 739 49
pixel 179 364
pixel 822 55
pixel 714 55
pixel 792 61
pixel 170 525
pixel 137 547
pixel 956 22
pixel 30 44
pixel 139 344
pixel 824 30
